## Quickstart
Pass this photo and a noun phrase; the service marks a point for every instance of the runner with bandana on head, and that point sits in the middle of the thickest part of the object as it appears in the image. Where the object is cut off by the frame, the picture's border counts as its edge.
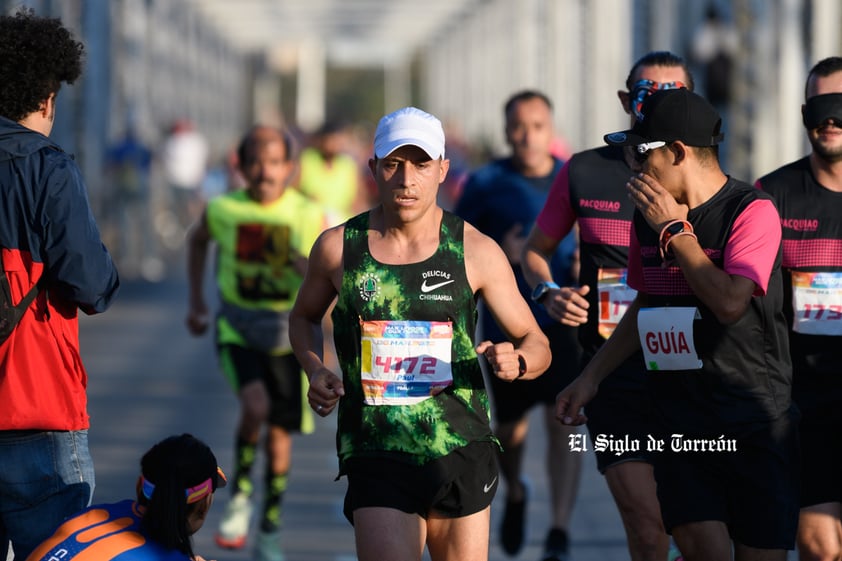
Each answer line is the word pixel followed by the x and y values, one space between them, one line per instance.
pixel 178 477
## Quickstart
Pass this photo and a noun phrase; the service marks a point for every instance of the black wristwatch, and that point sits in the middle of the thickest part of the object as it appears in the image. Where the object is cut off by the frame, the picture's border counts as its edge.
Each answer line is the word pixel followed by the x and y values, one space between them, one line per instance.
pixel 675 228
pixel 541 290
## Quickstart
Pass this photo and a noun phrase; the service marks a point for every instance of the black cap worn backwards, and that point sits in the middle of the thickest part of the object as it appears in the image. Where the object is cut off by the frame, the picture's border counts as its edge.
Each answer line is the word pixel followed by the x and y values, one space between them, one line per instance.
pixel 670 115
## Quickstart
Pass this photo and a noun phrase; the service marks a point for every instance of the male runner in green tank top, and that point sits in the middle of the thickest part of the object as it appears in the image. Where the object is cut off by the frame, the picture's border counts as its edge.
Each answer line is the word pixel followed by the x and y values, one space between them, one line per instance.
pixel 414 434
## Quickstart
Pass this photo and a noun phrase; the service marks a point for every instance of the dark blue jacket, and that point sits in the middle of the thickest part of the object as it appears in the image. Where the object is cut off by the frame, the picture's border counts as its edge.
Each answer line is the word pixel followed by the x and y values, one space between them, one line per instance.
pixel 47 227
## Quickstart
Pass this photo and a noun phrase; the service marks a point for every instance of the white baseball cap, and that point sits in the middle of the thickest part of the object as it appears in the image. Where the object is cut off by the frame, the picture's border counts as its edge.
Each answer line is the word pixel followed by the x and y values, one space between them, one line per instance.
pixel 409 127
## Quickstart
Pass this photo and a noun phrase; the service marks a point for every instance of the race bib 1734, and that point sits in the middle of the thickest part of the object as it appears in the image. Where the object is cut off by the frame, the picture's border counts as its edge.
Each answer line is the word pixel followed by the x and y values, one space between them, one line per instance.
pixel 817 303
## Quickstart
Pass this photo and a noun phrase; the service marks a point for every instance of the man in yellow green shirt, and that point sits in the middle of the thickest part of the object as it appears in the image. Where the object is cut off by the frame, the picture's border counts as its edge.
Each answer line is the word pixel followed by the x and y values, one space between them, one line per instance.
pixel 263 234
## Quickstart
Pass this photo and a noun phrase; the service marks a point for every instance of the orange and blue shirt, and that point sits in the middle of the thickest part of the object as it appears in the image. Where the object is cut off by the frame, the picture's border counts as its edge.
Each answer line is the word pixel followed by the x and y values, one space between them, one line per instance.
pixel 105 532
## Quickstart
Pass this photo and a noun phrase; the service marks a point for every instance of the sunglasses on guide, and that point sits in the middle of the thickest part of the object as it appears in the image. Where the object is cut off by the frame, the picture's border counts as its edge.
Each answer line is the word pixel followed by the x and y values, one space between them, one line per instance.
pixel 642 88
pixel 641 151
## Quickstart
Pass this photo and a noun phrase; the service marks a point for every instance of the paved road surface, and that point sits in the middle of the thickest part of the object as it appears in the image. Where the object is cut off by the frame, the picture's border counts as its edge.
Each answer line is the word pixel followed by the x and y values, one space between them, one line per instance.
pixel 150 379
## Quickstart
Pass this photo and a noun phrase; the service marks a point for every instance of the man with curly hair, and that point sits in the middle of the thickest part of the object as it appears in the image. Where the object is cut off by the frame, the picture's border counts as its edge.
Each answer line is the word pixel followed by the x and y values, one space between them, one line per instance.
pixel 50 245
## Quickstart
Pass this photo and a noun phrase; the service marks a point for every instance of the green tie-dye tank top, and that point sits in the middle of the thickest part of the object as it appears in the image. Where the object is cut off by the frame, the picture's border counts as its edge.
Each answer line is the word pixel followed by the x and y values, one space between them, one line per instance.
pixel 427 298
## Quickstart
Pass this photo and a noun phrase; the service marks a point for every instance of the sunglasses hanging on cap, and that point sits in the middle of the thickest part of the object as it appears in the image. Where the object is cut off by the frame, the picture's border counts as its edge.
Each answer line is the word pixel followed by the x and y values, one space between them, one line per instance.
pixel 641 151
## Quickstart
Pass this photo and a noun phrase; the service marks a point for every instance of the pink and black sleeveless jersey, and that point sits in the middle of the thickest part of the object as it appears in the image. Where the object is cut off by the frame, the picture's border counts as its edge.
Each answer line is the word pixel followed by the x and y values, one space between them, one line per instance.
pixel 745 375
pixel 590 189
pixel 811 221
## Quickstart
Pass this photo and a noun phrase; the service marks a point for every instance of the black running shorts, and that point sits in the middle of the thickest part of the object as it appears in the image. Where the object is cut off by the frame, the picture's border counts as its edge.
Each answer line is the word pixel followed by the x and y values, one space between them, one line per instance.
pixel 460 484
pixel 621 411
pixel 512 400
pixel 282 375
pixel 821 457
pixel 754 490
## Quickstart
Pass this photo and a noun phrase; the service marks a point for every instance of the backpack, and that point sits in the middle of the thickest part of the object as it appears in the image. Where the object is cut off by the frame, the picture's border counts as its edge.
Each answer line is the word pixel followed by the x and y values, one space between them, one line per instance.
pixel 10 314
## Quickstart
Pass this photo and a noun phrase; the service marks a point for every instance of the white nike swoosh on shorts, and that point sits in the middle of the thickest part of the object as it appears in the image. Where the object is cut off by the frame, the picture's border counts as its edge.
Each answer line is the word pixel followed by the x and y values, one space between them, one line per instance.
pixel 487 487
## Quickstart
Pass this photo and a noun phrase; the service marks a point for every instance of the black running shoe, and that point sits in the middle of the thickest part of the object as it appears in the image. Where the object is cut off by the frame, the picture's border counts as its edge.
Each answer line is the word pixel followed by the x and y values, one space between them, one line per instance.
pixel 555 546
pixel 512 527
